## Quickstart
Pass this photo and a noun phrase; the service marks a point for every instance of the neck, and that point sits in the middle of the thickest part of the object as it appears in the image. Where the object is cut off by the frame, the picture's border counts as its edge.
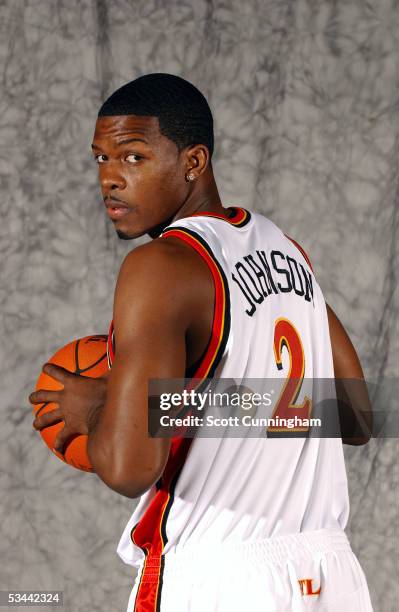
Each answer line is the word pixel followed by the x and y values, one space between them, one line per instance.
pixel 204 197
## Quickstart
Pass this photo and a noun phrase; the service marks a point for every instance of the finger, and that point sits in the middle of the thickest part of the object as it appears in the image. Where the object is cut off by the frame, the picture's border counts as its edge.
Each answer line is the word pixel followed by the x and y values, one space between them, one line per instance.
pixel 57 372
pixel 44 395
pixel 61 440
pixel 47 419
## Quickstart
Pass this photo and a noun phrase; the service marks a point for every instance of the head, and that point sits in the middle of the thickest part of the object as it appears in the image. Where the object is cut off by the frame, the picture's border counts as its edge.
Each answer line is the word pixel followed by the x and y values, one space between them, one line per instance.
pixel 151 135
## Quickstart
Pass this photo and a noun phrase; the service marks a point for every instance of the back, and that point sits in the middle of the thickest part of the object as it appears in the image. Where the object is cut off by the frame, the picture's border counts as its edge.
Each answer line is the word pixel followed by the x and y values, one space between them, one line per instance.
pixel 270 322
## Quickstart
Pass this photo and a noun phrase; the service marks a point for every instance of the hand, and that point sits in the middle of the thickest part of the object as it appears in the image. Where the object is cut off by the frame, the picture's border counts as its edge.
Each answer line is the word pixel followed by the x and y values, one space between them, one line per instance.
pixel 78 403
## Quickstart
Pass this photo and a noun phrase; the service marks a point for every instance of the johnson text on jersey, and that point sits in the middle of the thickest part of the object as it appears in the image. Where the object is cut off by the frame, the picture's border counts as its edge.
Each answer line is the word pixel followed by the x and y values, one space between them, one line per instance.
pixel 260 276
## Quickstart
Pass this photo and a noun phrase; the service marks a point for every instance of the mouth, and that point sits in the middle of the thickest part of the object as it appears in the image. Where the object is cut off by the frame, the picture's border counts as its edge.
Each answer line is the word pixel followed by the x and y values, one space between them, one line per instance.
pixel 116 210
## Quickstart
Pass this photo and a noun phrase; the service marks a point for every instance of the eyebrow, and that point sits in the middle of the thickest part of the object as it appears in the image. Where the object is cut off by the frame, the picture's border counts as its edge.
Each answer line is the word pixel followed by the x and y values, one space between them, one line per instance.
pixel 122 142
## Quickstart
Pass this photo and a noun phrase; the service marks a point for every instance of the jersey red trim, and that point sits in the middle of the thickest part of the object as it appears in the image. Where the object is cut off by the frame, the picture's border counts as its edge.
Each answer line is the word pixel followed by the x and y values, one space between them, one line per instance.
pixel 110 345
pixel 221 299
pixel 239 218
pixel 298 246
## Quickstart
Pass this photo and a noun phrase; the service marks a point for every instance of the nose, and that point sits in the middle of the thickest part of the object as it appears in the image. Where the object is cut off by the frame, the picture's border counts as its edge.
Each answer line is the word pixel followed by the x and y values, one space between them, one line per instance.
pixel 111 178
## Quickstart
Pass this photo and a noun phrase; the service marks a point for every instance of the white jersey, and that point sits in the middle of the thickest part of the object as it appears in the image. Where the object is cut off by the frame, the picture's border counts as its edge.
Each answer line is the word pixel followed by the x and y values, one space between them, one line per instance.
pixel 270 321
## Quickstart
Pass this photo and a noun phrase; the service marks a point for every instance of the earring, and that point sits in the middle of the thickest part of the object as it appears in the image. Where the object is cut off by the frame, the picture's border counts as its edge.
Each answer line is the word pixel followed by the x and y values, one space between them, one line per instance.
pixel 190 177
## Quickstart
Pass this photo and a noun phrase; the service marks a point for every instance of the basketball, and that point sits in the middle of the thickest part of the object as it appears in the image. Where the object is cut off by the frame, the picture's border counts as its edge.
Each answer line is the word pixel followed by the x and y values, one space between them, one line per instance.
pixel 86 357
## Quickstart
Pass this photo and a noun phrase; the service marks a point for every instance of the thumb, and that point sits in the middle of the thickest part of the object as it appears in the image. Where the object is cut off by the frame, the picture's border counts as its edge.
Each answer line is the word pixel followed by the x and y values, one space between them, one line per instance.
pixel 58 372
pixel 61 440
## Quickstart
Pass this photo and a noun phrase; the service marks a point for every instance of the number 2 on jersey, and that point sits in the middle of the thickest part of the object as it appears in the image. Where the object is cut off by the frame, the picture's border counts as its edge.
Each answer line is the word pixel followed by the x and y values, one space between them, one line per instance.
pixel 286 335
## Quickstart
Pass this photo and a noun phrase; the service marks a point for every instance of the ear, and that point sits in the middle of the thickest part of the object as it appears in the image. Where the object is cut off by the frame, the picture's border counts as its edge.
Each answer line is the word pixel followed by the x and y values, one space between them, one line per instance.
pixel 197 159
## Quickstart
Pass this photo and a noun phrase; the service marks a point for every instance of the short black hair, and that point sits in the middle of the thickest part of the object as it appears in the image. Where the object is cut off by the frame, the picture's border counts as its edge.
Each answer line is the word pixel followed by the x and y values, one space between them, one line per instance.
pixel 183 112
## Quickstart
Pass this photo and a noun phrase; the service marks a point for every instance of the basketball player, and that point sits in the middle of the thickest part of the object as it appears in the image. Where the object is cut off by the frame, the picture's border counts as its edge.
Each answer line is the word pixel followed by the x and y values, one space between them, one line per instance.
pixel 223 524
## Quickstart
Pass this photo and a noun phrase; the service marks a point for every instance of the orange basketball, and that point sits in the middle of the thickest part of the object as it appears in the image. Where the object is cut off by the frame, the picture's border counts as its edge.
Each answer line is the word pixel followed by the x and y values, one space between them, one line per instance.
pixel 87 357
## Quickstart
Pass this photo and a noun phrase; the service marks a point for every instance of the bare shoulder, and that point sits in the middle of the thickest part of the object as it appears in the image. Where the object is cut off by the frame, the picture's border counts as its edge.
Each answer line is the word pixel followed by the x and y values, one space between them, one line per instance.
pixel 170 262
pixel 164 276
pixel 163 253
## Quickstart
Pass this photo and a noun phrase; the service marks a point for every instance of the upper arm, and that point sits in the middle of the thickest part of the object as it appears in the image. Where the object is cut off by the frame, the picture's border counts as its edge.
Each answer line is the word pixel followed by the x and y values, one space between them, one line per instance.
pixel 354 406
pixel 346 360
pixel 151 317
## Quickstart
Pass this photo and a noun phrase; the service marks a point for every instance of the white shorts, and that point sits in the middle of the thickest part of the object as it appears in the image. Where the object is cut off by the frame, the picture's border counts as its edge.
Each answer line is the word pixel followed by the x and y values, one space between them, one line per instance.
pixel 314 570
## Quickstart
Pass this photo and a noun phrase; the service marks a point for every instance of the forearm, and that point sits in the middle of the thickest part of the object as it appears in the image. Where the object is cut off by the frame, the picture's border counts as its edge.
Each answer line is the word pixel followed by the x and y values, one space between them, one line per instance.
pixel 94 449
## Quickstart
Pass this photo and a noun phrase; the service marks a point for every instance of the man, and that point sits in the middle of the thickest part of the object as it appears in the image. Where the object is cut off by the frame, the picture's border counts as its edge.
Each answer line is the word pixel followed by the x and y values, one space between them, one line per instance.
pixel 222 523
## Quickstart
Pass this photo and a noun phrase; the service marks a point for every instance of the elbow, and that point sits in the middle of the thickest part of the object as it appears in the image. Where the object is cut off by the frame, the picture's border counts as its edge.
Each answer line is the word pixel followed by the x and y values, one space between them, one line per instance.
pixel 126 483
pixel 128 489
pixel 356 441
pixel 134 474
pixel 129 473
pixel 131 484
pixel 360 436
pixel 131 480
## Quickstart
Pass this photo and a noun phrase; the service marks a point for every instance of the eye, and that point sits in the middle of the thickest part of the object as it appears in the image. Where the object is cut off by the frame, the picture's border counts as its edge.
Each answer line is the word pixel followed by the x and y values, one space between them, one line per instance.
pixel 138 157
pixel 97 158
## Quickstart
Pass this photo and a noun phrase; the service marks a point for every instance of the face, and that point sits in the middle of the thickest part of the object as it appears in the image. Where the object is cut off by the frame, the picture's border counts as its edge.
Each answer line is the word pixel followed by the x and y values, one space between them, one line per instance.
pixel 141 173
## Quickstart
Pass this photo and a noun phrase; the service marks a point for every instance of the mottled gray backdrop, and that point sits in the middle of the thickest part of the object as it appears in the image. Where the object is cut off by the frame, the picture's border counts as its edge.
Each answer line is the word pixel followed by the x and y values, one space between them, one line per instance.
pixel 305 100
